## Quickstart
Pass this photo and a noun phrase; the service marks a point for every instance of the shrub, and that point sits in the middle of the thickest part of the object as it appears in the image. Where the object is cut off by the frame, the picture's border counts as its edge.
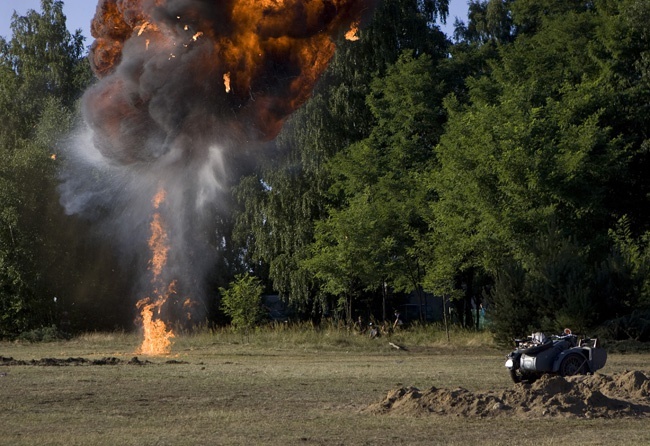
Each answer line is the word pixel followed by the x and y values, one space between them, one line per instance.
pixel 242 302
pixel 43 334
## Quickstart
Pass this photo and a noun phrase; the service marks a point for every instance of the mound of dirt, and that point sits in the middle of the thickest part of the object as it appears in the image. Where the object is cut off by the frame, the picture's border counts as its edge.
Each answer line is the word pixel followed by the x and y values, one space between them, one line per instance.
pixel 625 394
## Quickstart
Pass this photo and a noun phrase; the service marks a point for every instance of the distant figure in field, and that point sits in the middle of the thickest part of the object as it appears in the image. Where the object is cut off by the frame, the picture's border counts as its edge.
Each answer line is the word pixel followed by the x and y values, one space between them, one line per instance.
pixel 373 331
pixel 398 320
pixel 359 326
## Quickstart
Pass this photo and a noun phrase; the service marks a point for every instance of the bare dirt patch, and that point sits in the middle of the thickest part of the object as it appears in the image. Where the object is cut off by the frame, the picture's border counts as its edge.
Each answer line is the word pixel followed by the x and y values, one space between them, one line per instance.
pixel 8 361
pixel 620 395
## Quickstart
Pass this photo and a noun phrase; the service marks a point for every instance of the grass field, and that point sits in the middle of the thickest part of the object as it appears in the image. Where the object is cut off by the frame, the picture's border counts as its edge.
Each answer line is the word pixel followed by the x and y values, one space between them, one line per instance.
pixel 278 387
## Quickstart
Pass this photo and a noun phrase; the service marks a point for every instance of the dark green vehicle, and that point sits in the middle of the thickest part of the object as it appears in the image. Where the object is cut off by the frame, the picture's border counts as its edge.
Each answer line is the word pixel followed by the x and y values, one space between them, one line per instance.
pixel 564 355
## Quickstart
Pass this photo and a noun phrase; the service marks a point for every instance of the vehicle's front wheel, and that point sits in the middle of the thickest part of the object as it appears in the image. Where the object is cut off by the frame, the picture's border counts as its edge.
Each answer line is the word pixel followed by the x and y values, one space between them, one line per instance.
pixel 573 364
pixel 515 375
pixel 518 377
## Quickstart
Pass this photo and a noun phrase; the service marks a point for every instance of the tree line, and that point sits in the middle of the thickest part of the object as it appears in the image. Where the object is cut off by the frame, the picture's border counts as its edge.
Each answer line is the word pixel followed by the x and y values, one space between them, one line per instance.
pixel 503 168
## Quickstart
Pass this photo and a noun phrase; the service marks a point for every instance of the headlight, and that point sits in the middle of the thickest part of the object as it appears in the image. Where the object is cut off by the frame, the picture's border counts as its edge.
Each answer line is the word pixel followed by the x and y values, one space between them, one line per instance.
pixel 509 363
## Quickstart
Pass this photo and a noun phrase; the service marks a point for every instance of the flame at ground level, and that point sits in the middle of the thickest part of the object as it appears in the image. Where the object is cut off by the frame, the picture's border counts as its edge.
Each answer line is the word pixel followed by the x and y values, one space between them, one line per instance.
pixel 157 338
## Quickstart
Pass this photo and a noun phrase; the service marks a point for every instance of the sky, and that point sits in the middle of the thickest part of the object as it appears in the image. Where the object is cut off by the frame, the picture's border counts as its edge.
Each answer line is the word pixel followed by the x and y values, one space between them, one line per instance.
pixel 79 13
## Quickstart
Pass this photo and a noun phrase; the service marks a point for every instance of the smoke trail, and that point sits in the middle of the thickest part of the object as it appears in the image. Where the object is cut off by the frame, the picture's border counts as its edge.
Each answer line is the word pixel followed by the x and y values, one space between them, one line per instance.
pixel 183 87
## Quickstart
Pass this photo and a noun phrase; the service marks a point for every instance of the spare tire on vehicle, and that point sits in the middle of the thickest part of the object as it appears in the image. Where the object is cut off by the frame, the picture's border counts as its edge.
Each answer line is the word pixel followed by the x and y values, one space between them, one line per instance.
pixel 574 364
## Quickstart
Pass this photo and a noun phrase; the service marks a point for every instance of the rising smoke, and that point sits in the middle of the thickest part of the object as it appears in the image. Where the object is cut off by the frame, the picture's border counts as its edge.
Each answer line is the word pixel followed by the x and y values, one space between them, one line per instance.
pixel 183 88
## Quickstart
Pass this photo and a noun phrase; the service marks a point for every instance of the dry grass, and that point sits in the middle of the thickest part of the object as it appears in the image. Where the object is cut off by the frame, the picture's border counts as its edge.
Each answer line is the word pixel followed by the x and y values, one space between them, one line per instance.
pixel 274 387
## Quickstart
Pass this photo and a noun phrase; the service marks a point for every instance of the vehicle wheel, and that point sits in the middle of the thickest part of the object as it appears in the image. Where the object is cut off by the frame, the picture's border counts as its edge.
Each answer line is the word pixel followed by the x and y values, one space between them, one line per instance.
pixel 573 364
pixel 518 377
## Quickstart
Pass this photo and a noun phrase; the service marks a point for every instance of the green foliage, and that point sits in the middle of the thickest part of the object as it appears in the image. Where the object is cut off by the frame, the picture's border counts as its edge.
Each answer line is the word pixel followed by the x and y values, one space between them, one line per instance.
pixel 281 205
pixel 537 145
pixel 242 302
pixel 513 312
pixel 46 59
pixel 368 237
pixel 634 326
pixel 511 183
pixel 549 291
pixel 621 282
pixel 42 334
pixel 488 21
pixel 42 73
pixel 511 165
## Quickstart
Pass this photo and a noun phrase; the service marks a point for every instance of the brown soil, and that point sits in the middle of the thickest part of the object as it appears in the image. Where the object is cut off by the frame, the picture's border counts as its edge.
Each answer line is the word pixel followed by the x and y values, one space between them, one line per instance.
pixel 624 394
pixel 5 361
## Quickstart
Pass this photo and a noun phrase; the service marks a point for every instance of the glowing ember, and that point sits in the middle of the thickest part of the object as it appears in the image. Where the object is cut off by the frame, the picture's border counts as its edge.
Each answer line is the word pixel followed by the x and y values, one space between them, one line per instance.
pixel 187 305
pixel 226 82
pixel 143 27
pixel 351 35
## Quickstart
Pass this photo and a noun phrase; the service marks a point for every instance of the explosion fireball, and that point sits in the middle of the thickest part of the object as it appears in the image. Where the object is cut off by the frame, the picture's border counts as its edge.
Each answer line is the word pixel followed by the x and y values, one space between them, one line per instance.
pixel 238 67
pixel 182 85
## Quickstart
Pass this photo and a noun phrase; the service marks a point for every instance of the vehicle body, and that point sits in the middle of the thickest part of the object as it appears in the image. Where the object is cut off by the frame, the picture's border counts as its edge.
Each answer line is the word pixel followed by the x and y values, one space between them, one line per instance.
pixel 563 355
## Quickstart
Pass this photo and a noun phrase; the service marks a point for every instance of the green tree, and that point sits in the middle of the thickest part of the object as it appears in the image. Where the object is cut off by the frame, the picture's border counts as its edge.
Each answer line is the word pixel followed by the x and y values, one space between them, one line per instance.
pixel 42 73
pixel 368 239
pixel 242 302
pixel 282 203
pixel 543 140
pixel 487 21
pixel 46 59
pixel 550 292
pixel 622 281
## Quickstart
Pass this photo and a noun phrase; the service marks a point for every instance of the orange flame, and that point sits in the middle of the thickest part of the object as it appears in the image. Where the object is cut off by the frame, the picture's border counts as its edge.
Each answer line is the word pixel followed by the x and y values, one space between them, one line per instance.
pixel 187 305
pixel 177 77
pixel 157 338
pixel 159 198
pixel 351 35
pixel 274 51
pixel 158 245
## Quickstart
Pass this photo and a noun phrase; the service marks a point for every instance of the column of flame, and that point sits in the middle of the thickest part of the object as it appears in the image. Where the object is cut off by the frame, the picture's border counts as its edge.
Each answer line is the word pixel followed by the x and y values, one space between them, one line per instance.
pixel 157 337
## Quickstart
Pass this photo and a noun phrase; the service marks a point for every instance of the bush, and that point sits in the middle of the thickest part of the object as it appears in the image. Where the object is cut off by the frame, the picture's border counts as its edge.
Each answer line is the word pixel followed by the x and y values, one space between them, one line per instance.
pixel 631 327
pixel 242 302
pixel 42 334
